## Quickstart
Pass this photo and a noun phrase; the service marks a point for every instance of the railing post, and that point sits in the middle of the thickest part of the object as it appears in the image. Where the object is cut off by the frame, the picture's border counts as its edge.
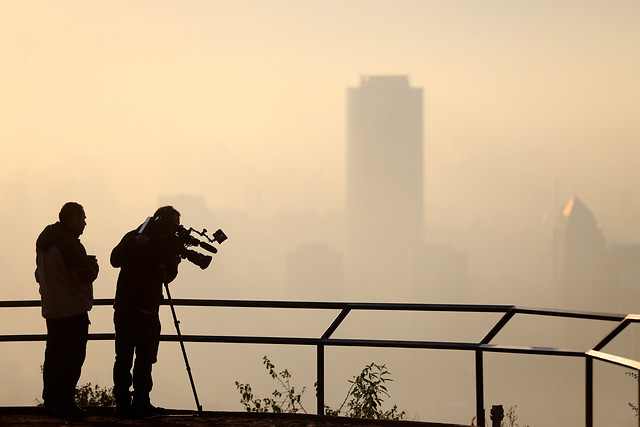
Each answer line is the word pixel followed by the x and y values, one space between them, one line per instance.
pixel 320 358
pixel 320 379
pixel 589 392
pixel 479 390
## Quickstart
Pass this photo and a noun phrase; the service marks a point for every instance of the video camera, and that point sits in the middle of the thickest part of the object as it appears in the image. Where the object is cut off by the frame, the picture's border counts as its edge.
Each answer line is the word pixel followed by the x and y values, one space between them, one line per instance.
pixel 175 240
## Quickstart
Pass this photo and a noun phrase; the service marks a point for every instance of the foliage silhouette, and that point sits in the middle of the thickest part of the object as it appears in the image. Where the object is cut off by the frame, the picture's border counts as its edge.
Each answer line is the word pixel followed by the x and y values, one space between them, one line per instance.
pixel 285 399
pixel 637 378
pixel 88 395
pixel 364 398
pixel 91 395
pixel 511 417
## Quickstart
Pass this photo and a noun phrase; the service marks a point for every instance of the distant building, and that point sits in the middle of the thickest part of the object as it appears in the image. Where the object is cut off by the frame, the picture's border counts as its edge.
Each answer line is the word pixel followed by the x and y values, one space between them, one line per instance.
pixel 582 275
pixel 384 200
pixel 314 272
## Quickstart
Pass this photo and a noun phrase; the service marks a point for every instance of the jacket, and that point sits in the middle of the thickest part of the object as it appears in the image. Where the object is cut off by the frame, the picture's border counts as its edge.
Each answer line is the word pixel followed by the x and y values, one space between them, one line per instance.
pixel 143 270
pixel 64 272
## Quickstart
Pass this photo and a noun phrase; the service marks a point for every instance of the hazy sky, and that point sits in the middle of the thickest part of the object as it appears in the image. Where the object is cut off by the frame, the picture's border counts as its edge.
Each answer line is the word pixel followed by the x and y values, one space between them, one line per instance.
pixel 233 98
pixel 116 103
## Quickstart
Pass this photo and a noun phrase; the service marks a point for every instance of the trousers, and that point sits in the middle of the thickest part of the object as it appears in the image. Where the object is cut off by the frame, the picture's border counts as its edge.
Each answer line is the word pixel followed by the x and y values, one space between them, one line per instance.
pixel 64 356
pixel 137 332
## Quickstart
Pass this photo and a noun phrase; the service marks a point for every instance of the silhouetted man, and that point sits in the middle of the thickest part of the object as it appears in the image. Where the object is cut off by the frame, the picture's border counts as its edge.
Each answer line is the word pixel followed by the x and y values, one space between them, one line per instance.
pixel 146 261
pixel 65 273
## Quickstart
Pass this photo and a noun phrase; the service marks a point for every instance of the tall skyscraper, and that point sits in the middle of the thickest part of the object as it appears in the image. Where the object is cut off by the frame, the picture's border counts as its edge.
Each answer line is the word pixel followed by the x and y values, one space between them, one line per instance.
pixel 384 184
pixel 582 275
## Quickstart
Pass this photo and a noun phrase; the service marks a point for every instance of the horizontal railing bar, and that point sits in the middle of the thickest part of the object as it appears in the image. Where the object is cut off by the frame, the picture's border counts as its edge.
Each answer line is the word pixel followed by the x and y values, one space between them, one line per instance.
pixel 616 317
pixel 43 337
pixel 435 345
pixel 258 304
pixel 242 339
pixel 341 342
pixel 453 346
pixel 17 338
pixel 616 360
pixel 366 306
pixel 327 342
pixel 551 351
pixel 271 340
pixel 341 305
pixel 431 307
pixel 186 338
pixel 300 304
pixel 36 303
pixel 16 304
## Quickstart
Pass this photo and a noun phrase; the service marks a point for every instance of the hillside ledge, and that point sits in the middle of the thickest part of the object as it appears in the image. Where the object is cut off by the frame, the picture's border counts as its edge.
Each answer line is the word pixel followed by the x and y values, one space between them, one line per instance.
pixel 97 416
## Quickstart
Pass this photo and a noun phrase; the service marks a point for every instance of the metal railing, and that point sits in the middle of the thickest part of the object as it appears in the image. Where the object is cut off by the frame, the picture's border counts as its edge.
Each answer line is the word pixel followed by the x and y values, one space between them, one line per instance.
pixel 484 345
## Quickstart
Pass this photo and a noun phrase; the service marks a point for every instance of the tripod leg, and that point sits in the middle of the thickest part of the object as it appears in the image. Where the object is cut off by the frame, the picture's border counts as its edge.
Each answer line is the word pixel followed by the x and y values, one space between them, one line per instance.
pixel 176 322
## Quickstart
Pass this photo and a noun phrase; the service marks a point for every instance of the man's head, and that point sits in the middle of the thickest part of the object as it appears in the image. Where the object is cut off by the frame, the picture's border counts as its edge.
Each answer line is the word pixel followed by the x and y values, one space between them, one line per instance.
pixel 72 216
pixel 168 213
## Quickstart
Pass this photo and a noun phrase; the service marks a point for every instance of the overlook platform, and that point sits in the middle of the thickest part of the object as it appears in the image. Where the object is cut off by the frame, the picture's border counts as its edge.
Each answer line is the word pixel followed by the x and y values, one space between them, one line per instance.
pixel 504 314
pixel 98 416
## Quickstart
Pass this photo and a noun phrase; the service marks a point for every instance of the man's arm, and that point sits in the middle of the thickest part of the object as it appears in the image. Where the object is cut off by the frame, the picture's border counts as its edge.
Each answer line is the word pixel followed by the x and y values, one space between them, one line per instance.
pixel 85 267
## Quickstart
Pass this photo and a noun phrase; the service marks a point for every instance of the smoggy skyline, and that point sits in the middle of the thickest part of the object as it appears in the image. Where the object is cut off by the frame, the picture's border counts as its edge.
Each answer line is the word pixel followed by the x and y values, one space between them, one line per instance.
pixel 237 109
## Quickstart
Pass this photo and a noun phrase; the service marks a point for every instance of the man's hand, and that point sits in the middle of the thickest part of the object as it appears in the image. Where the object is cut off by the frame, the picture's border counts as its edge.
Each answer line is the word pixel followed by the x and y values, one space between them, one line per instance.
pixel 142 240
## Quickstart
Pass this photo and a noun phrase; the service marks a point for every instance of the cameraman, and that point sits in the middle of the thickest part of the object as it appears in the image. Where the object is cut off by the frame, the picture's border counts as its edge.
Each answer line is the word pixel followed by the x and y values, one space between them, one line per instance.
pixel 146 261
pixel 65 273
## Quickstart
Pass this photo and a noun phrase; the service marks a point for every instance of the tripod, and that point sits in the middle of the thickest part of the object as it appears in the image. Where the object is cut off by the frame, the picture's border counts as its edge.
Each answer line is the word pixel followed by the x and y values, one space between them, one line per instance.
pixel 176 322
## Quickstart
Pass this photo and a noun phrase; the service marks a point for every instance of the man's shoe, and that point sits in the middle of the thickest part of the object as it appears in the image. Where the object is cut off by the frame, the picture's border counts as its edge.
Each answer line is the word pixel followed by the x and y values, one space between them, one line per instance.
pixel 147 410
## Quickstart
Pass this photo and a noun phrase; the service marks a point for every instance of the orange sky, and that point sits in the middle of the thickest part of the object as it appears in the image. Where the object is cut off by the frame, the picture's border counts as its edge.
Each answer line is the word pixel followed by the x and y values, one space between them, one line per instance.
pixel 258 89
pixel 115 103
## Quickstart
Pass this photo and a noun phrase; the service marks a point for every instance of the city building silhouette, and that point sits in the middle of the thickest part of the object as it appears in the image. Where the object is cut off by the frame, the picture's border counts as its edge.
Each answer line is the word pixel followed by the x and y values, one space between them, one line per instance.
pixel 384 200
pixel 582 277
